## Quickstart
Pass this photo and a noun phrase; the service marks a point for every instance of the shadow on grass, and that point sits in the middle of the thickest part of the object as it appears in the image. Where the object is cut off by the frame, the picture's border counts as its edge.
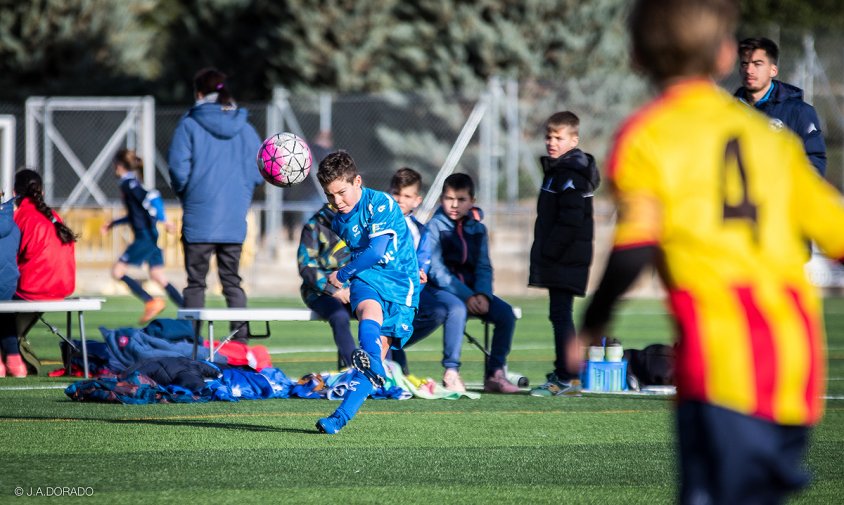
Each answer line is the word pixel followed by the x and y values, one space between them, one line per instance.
pixel 171 422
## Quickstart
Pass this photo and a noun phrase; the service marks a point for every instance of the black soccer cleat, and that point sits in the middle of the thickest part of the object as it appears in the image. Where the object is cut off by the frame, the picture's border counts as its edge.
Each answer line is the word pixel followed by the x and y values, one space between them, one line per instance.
pixel 361 363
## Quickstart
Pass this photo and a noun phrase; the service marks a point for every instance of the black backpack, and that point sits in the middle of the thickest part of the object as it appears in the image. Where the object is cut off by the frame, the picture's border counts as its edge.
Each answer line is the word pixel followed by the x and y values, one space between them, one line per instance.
pixel 651 366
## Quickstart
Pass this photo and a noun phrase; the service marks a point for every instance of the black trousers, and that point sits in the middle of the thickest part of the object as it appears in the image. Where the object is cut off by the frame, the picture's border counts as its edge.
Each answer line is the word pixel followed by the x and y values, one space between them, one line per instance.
pixel 560 305
pixel 197 260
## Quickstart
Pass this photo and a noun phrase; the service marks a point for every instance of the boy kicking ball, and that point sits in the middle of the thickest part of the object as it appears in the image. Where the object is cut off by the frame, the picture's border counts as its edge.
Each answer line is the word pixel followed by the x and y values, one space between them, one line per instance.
pixel 384 275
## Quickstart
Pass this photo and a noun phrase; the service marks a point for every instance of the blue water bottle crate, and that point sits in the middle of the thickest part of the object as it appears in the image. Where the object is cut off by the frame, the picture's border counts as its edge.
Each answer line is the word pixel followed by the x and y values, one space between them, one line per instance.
pixel 602 376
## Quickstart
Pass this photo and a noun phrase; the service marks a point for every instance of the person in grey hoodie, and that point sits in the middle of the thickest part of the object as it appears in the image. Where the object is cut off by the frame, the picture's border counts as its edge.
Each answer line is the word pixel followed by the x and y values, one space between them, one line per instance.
pixel 213 172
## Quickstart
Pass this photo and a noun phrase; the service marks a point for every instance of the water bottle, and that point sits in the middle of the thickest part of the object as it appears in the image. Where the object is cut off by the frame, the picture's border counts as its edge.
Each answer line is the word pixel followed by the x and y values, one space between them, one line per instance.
pixel 518 379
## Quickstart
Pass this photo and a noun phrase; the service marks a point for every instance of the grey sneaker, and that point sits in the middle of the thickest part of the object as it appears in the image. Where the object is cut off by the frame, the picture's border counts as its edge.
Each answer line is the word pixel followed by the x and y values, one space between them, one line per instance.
pixel 556 387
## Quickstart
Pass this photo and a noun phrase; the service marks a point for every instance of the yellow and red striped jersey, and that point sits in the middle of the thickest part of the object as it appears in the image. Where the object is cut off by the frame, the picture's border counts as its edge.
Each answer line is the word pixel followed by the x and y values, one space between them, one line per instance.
pixel 731 203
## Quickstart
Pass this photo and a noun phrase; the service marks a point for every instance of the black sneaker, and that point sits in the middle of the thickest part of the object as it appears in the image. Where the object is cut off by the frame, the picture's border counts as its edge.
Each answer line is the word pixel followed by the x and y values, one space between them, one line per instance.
pixel 361 363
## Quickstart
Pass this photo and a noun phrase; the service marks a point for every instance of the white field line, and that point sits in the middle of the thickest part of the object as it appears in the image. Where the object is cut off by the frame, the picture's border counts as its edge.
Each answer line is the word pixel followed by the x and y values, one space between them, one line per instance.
pixel 32 388
pixel 293 350
pixel 468 384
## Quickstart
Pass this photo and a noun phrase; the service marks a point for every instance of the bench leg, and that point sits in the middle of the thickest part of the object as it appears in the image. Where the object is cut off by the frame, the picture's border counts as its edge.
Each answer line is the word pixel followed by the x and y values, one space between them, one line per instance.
pixel 84 345
pixel 69 349
pixel 196 328
pixel 486 347
pixel 211 340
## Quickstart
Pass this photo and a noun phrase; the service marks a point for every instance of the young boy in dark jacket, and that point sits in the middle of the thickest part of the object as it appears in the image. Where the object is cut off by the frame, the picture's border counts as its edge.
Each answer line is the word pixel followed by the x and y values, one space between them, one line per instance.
pixel 460 265
pixel 563 234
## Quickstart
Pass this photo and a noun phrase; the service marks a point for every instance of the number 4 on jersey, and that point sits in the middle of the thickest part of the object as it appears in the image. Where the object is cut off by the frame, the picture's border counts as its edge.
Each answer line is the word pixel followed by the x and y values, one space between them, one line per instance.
pixel 745 209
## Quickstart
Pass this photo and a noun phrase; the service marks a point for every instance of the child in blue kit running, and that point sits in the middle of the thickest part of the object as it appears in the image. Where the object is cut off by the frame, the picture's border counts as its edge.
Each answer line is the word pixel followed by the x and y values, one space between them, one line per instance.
pixel 384 275
pixel 144 248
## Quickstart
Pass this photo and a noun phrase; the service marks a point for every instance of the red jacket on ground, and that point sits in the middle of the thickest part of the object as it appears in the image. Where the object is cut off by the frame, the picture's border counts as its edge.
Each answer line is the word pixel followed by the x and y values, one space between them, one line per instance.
pixel 47 267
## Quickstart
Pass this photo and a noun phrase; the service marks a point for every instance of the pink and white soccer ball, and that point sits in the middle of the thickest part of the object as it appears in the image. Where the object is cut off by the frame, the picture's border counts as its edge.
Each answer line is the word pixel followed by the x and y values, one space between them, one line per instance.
pixel 284 160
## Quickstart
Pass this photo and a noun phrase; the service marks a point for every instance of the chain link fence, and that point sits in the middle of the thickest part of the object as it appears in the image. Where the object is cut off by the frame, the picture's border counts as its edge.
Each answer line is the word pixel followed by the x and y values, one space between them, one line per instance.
pixel 387 131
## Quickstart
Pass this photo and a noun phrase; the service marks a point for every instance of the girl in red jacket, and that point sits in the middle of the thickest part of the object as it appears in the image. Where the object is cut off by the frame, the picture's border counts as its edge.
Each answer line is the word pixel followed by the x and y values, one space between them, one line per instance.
pixel 46 260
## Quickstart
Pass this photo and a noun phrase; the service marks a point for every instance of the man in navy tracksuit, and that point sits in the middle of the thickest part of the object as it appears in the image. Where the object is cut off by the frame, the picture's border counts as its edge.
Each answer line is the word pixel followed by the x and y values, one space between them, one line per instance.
pixel 778 100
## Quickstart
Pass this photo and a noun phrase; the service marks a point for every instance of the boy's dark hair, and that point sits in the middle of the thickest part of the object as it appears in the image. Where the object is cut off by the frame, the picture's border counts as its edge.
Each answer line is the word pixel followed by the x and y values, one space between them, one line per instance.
pixel 210 80
pixel 459 182
pixel 747 46
pixel 28 184
pixel 680 38
pixel 404 178
pixel 337 165
pixel 563 119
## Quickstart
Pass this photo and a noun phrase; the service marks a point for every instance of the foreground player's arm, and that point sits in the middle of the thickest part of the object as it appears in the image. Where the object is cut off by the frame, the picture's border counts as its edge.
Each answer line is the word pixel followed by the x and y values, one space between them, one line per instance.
pixel 367 259
pixel 623 267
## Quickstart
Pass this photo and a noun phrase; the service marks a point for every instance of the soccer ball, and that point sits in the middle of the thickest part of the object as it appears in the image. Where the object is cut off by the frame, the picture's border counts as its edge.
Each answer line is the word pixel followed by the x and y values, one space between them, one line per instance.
pixel 284 160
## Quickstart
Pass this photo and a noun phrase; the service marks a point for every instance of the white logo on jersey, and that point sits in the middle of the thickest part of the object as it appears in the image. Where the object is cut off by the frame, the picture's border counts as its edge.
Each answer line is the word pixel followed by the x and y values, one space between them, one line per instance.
pixel 381 208
pixel 405 327
pixel 812 128
pixel 776 124
pixel 388 257
pixel 376 227
pixel 356 230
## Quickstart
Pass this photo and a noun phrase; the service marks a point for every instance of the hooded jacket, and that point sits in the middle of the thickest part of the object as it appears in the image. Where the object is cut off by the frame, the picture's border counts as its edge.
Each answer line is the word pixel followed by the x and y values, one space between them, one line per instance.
pixel 785 105
pixel 460 255
pixel 564 230
pixel 10 239
pixel 320 252
pixel 213 172
pixel 47 267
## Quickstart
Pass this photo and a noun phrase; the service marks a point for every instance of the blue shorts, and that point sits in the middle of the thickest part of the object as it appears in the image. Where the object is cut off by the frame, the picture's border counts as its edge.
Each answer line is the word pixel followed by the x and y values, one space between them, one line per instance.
pixel 398 318
pixel 143 250
pixel 727 457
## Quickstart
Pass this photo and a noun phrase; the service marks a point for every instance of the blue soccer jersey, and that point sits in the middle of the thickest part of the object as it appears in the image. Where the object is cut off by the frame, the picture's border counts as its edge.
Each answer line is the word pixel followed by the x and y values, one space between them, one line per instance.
pixel 396 275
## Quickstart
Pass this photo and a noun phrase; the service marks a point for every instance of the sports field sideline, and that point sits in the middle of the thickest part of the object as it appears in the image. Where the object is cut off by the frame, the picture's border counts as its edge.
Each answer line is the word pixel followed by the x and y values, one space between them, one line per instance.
pixel 499 449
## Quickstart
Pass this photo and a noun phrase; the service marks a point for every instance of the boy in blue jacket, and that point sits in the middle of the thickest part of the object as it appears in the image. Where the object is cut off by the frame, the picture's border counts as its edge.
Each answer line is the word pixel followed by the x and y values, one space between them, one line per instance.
pixel 437 307
pixel 460 265
pixel 383 275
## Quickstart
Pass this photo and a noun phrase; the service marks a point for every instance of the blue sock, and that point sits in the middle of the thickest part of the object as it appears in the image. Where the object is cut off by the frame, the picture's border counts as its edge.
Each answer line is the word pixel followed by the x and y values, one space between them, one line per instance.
pixel 174 295
pixel 359 390
pixel 369 334
pixel 136 288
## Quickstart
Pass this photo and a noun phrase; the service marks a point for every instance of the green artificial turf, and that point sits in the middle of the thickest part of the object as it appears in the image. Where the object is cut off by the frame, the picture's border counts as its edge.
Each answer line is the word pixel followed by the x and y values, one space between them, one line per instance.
pixel 499 449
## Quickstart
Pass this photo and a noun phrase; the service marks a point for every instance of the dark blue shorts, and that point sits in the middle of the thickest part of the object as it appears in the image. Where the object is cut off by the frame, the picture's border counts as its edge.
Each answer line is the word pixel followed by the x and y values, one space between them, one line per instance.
pixel 398 318
pixel 143 250
pixel 727 457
